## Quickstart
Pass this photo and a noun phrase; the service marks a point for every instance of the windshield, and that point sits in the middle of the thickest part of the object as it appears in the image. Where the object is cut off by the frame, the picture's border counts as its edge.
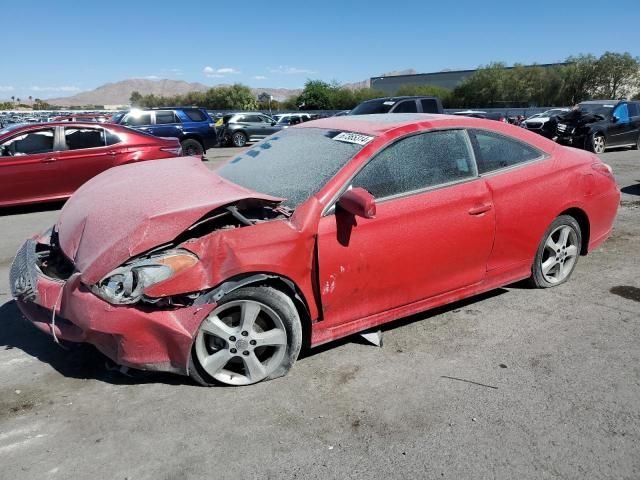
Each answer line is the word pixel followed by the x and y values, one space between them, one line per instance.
pixel 292 164
pixel 603 109
pixel 373 106
pixel 11 127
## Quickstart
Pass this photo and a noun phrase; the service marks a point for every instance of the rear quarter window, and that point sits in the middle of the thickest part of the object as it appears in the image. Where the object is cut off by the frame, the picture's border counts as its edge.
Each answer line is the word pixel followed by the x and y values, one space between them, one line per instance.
pixel 495 151
pixel 195 115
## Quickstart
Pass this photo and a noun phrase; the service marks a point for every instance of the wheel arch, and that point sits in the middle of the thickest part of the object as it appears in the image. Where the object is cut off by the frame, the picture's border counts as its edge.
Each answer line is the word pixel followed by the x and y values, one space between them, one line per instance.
pixel 585 227
pixel 193 136
pixel 273 280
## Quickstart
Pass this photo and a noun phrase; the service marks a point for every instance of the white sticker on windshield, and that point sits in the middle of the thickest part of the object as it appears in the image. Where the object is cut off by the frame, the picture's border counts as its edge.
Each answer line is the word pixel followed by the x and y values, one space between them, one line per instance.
pixel 356 138
pixel 389 102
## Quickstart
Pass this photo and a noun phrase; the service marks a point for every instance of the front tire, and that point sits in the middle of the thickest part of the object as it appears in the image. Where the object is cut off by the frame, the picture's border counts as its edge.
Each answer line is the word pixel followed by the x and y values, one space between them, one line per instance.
pixel 637 145
pixel 557 254
pixel 253 334
pixel 598 143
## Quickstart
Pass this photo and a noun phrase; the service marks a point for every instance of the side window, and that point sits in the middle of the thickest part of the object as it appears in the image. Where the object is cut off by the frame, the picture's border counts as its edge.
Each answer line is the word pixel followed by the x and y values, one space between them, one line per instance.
pixel 408 106
pixel 111 138
pixel 429 105
pixel 264 119
pixel 621 112
pixel 634 109
pixel 32 143
pixel 136 120
pixel 164 117
pixel 418 162
pixel 495 151
pixel 195 115
pixel 252 119
pixel 79 138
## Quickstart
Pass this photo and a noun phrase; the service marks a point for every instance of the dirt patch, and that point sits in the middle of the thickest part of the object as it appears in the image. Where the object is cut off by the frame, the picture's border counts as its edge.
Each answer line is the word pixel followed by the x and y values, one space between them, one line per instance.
pixel 18 401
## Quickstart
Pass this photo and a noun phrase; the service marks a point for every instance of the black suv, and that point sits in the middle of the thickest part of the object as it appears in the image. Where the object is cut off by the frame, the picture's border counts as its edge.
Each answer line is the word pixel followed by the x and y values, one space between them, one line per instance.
pixel 599 124
pixel 192 126
pixel 399 105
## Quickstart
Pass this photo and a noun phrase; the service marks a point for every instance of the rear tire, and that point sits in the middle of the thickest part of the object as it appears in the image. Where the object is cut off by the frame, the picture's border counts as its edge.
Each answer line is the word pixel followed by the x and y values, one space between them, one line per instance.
pixel 229 351
pixel 239 139
pixel 558 253
pixel 191 147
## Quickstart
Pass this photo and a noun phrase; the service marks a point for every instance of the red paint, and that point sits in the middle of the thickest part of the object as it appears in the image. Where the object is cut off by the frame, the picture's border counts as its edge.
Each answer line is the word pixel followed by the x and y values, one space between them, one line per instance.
pixel 352 272
pixel 56 175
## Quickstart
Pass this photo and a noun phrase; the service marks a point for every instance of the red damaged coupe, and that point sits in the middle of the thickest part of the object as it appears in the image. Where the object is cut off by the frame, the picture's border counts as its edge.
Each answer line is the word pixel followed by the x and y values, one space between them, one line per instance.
pixel 49 161
pixel 320 231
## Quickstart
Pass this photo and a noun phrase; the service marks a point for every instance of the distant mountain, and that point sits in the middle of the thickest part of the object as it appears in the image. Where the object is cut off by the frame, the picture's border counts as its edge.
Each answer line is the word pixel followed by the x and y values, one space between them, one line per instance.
pixel 118 93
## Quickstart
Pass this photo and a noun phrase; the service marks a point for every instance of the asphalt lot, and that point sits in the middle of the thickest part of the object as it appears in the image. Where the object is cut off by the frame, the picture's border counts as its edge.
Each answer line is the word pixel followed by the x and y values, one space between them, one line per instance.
pixel 556 392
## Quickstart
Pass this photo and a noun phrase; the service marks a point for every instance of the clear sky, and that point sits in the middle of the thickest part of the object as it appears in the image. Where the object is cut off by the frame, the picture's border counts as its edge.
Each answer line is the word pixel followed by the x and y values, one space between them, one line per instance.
pixel 57 48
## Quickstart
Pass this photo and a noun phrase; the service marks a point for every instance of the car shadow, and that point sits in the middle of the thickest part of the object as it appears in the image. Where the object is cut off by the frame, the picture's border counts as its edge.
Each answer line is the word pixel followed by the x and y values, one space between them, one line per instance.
pixel 81 361
pixel 632 189
pixel 357 338
pixel 31 208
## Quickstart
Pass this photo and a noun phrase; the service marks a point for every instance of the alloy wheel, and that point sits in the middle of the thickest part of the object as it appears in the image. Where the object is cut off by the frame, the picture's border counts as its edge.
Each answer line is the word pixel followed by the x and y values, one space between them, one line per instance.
pixel 598 144
pixel 241 342
pixel 560 254
pixel 239 139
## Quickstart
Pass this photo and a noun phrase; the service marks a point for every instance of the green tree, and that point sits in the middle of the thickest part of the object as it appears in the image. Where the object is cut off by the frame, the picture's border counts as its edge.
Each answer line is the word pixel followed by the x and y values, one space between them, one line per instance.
pixel 316 95
pixel 617 75
pixel 135 98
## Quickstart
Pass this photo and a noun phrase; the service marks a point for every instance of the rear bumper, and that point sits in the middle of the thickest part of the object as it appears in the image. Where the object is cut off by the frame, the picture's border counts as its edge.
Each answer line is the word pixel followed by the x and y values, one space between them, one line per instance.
pixel 142 338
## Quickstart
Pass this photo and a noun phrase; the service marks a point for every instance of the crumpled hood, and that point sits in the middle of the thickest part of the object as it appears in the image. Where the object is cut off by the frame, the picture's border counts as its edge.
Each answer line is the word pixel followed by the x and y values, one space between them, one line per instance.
pixel 130 209
pixel 576 118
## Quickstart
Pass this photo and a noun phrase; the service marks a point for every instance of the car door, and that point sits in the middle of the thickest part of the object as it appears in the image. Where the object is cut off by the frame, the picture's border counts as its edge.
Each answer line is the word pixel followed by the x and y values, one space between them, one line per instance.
pixel 27 164
pixel 86 154
pixel 166 124
pixel 619 131
pixel 269 125
pixel 432 233
pixel 527 188
pixel 634 123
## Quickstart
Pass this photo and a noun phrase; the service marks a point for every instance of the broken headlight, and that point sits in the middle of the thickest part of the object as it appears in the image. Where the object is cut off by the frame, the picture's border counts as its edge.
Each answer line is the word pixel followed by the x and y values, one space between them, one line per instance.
pixel 127 284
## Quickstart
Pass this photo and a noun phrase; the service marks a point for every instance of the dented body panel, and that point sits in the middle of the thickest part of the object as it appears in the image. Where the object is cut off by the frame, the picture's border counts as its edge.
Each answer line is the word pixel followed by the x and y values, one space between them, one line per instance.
pixel 350 273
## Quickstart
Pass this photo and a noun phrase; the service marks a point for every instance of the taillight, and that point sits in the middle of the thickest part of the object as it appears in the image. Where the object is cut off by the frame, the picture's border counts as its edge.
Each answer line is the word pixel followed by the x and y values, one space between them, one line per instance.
pixel 177 151
pixel 603 169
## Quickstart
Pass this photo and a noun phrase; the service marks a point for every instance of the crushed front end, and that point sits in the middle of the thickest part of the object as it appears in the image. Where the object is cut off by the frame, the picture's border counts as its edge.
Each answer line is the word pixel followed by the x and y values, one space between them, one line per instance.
pixel 49 292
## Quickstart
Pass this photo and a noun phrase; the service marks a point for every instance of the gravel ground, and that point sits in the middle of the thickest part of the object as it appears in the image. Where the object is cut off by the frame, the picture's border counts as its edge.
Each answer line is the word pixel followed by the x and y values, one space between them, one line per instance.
pixel 516 383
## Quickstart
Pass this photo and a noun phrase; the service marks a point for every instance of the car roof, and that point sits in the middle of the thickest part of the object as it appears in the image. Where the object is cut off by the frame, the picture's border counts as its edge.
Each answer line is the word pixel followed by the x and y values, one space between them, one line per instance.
pixel 597 102
pixel 378 123
pixel 399 97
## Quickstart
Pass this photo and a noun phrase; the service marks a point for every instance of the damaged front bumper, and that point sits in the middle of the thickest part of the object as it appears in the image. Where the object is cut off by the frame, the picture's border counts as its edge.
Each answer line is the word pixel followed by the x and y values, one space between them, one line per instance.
pixel 60 305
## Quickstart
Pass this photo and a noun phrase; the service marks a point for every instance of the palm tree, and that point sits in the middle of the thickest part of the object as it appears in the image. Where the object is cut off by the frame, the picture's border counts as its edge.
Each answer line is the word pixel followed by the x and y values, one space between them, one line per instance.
pixel 30 98
pixel 13 98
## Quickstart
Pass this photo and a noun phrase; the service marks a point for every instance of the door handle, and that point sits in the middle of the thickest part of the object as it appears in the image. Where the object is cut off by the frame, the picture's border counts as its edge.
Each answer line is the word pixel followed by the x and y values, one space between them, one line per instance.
pixel 48 160
pixel 112 152
pixel 480 209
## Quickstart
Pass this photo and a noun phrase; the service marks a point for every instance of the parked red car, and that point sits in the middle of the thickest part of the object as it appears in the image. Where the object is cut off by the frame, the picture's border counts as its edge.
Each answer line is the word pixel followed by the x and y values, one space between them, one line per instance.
pixel 49 161
pixel 318 232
